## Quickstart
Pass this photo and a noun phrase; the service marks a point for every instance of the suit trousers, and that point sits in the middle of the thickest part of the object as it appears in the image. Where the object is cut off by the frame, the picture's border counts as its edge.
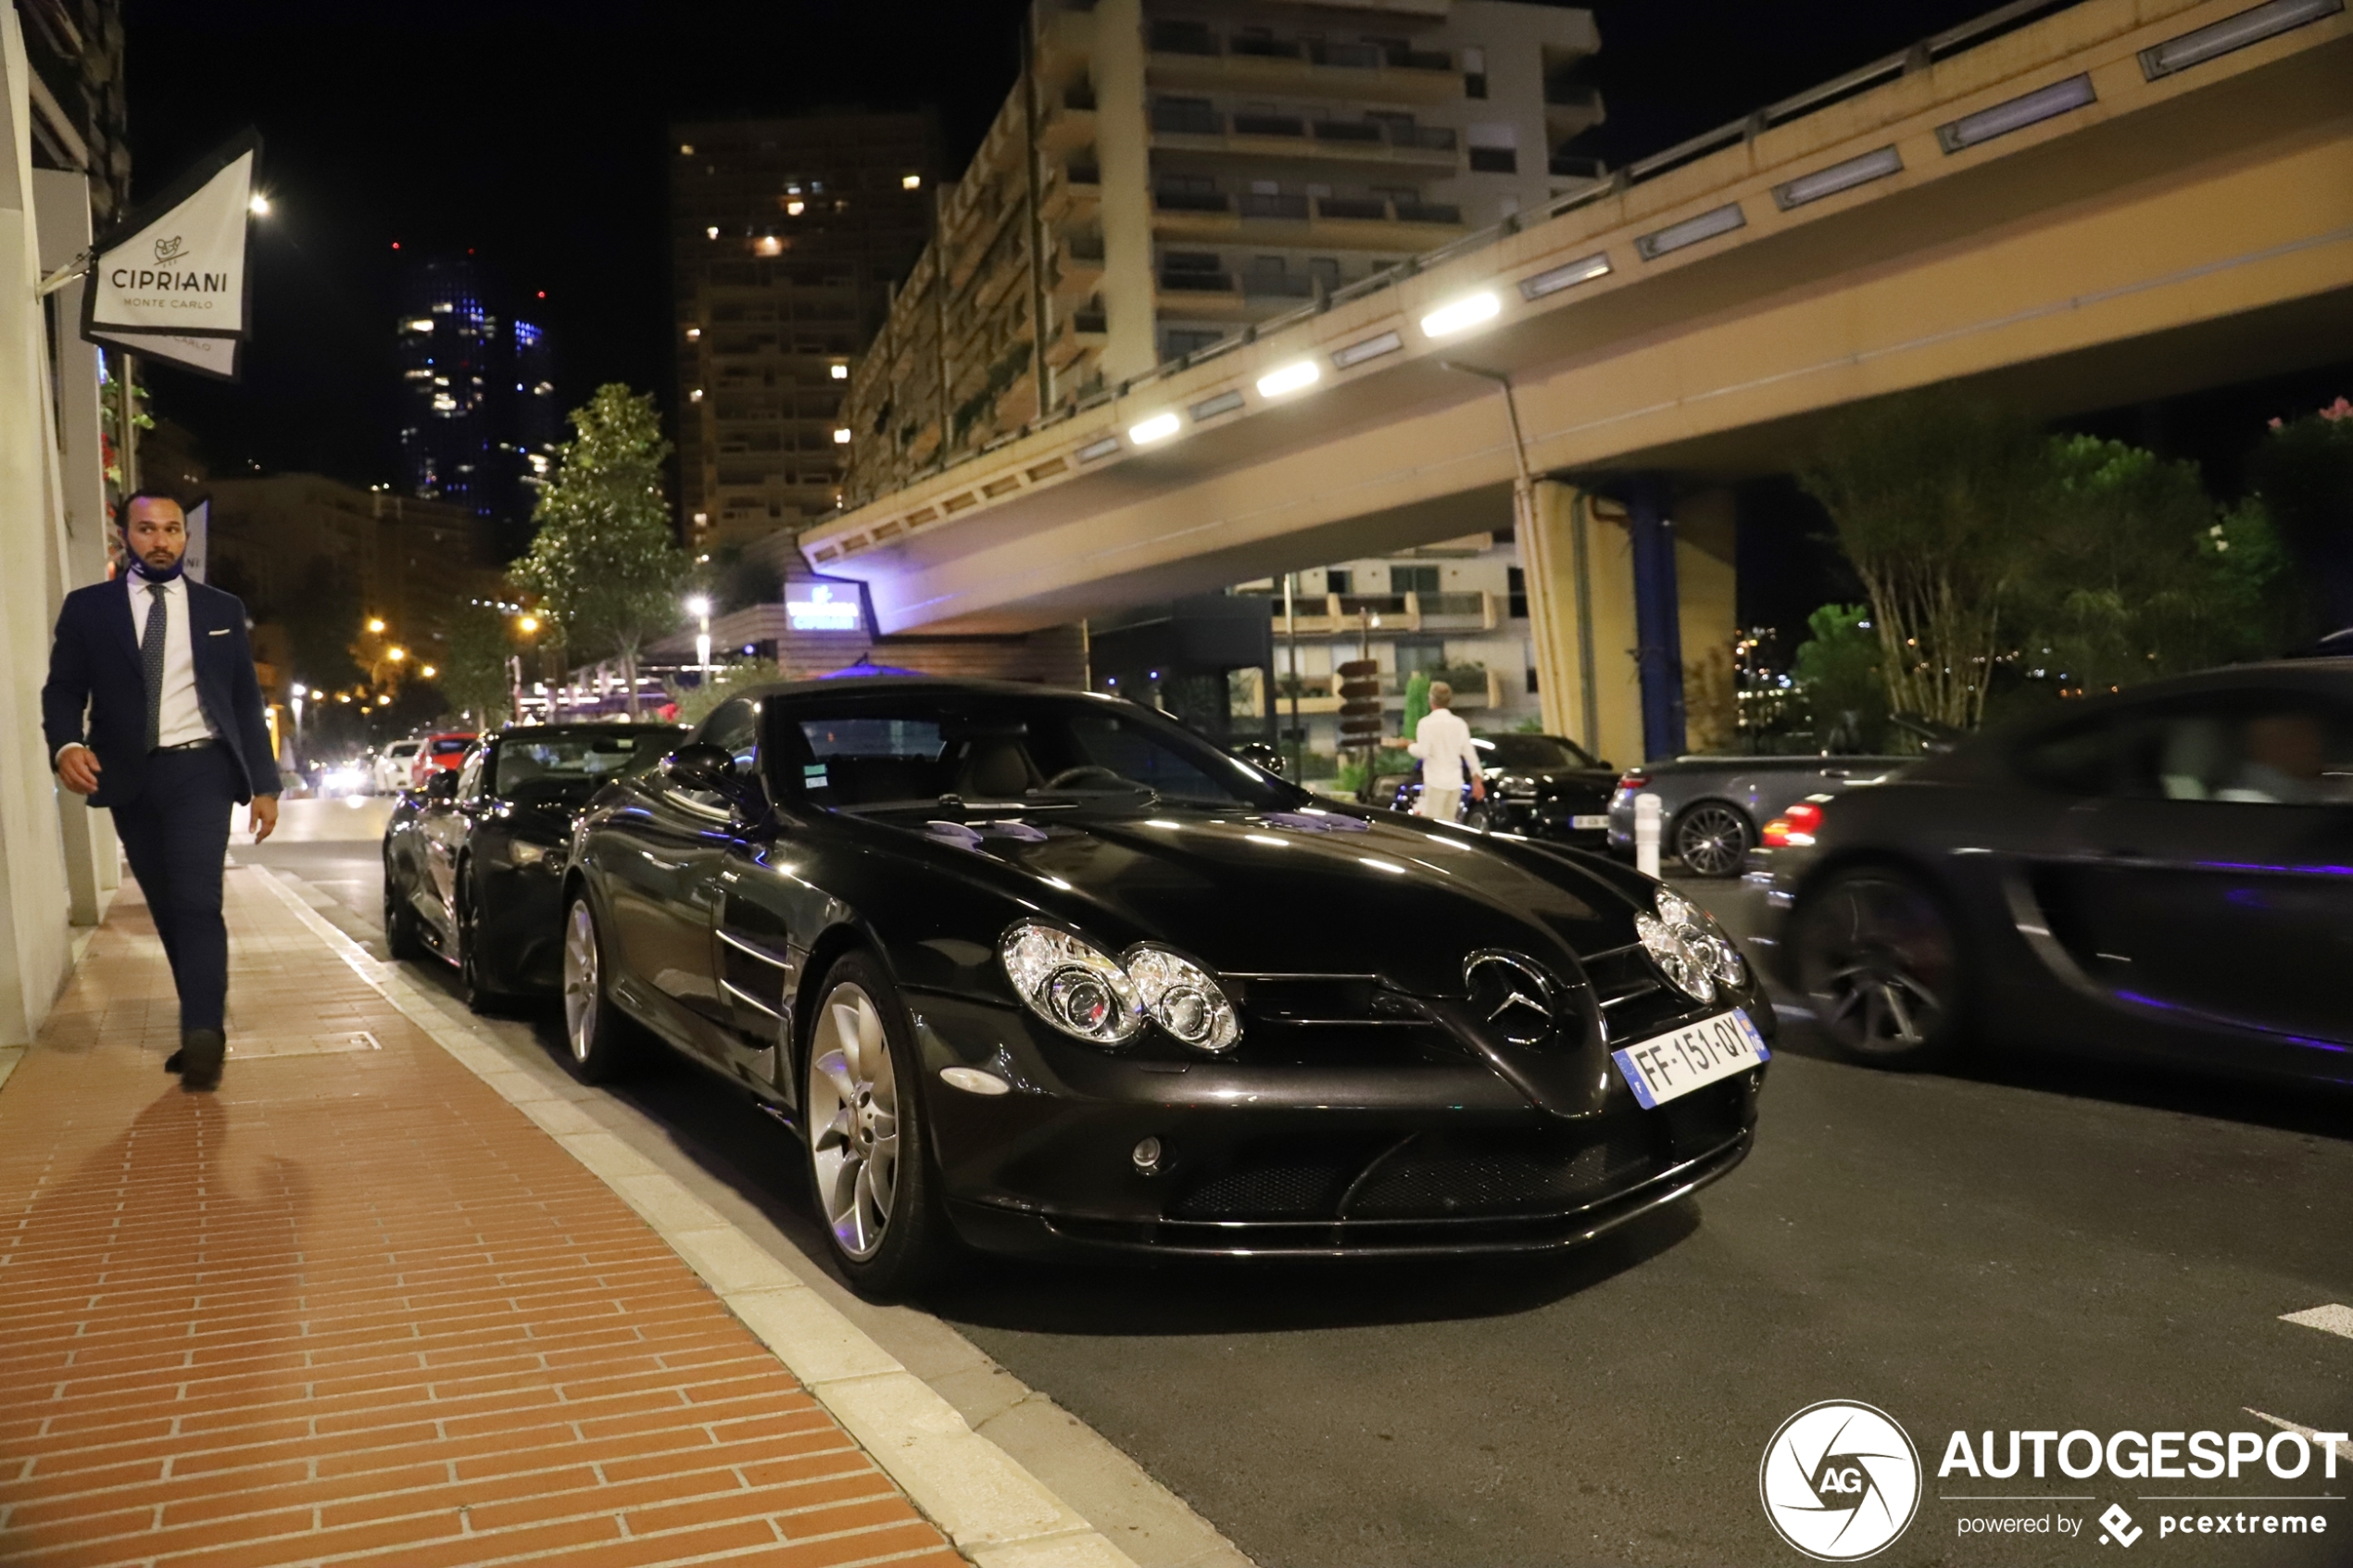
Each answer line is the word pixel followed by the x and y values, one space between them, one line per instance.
pixel 176 837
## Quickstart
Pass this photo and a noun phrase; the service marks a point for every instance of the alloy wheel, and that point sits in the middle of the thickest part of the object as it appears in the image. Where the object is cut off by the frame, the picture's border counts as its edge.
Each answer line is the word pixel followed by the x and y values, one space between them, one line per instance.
pixel 1879 962
pixel 581 996
pixel 1711 840
pixel 852 1105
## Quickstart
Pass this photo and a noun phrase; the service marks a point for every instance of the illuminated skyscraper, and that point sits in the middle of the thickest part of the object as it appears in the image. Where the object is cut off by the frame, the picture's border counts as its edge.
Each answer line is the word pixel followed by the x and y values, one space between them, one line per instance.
pixel 479 416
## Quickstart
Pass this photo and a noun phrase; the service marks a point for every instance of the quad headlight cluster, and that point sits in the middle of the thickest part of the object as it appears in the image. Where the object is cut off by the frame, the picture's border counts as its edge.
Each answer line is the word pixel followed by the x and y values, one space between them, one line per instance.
pixel 1690 949
pixel 1090 995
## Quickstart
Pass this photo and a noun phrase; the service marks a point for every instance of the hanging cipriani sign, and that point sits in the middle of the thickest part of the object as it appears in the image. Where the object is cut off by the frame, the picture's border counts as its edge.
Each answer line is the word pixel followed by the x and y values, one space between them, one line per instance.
pixel 218 356
pixel 177 268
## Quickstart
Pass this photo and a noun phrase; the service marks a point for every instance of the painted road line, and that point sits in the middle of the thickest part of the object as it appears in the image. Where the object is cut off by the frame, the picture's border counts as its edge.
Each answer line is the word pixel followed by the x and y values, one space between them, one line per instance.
pixel 2330 1319
pixel 993 1508
pixel 2311 1434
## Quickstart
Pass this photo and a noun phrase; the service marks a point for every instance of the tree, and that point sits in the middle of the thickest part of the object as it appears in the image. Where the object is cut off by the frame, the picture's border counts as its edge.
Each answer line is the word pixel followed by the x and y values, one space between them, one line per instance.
pixel 2304 475
pixel 604 564
pixel 2130 573
pixel 1416 701
pixel 694 703
pixel 1838 669
pixel 474 676
pixel 1930 496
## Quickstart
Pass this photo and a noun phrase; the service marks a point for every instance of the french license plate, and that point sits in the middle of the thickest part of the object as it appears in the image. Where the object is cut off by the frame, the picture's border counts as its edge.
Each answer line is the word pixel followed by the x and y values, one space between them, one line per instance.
pixel 1664 1066
pixel 1589 823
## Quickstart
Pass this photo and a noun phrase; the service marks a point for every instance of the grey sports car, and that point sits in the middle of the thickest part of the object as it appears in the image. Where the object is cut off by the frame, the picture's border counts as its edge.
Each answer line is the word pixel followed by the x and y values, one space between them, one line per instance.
pixel 1710 807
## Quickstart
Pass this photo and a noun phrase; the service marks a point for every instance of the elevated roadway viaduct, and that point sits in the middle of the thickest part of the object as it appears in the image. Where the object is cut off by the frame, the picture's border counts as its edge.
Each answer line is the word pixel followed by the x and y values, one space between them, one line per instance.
pixel 2121 200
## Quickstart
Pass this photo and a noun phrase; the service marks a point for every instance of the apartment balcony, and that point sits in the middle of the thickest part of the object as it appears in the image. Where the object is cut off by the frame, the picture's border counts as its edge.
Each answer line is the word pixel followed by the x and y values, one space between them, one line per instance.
pixel 1074 334
pixel 1331 615
pixel 1198 57
pixel 1068 123
pixel 1078 268
pixel 1317 149
pixel 1339 222
pixel 1571 107
pixel 1567 166
pixel 1074 194
pixel 1199 296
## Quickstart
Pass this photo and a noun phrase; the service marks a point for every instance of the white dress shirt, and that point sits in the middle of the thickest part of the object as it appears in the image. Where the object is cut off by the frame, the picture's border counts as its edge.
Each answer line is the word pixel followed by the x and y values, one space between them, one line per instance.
pixel 1449 761
pixel 182 715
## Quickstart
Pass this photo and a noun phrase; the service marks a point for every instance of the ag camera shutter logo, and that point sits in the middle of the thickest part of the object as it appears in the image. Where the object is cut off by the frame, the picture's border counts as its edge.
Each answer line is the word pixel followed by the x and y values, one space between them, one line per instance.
pixel 1840 1480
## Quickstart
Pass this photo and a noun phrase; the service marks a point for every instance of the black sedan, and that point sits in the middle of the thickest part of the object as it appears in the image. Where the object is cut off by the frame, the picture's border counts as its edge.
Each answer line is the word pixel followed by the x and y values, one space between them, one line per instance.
pixel 473 861
pixel 2167 873
pixel 1047 971
pixel 1541 786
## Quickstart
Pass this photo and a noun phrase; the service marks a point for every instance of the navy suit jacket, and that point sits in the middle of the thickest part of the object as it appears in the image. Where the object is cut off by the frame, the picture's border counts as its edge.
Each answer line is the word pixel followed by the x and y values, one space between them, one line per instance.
pixel 93 666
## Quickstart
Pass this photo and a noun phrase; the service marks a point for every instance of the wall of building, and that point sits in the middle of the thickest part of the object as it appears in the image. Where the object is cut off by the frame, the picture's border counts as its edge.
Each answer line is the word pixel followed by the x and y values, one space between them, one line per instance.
pixel 1168 173
pixel 789 237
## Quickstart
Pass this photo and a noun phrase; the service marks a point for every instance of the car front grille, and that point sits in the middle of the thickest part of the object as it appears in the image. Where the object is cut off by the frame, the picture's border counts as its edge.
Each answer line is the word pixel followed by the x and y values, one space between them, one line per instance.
pixel 1317 1019
pixel 1461 1175
pixel 1635 1001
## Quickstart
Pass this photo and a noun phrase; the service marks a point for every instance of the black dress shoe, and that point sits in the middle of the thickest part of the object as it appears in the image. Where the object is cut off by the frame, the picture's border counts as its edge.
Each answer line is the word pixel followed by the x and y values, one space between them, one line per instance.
pixel 175 1062
pixel 201 1051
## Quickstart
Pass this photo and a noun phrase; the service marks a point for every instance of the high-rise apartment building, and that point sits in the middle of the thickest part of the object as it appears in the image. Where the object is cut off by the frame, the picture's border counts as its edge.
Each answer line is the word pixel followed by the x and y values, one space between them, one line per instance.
pixel 786 236
pixel 1167 172
pixel 479 420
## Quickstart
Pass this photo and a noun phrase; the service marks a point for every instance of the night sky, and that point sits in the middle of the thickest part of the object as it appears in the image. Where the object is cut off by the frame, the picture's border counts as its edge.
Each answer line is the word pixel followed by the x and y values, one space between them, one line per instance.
pixel 533 130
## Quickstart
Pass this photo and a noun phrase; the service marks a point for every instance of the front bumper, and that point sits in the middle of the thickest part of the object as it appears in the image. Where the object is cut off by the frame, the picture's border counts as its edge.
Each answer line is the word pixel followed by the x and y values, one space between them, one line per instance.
pixel 1291 1159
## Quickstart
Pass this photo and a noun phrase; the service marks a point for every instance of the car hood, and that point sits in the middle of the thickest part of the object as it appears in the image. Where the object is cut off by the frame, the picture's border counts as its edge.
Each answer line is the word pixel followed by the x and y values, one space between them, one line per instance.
pixel 1312 891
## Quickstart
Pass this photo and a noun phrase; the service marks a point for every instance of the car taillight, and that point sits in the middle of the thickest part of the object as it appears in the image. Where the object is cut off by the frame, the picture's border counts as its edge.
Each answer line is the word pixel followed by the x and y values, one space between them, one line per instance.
pixel 1794 828
pixel 1633 778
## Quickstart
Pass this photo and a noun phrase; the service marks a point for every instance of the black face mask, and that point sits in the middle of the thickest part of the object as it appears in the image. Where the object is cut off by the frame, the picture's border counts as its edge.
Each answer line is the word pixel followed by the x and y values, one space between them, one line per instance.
pixel 154 573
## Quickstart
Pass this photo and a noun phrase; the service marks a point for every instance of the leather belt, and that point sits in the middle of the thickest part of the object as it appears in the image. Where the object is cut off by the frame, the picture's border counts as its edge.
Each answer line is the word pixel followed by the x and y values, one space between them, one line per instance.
pixel 189 745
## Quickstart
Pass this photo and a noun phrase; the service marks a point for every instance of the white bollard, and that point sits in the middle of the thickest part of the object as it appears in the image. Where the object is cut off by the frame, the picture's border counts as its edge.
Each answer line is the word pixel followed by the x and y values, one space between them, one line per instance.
pixel 1646 814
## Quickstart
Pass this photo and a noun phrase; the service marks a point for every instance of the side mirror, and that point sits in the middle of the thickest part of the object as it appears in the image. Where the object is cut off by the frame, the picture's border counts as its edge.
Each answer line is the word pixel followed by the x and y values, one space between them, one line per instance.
pixel 700 766
pixel 442 784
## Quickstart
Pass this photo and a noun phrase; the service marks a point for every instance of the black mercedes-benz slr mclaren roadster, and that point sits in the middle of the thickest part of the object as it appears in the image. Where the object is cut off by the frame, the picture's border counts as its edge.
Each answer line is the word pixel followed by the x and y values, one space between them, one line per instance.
pixel 1046 971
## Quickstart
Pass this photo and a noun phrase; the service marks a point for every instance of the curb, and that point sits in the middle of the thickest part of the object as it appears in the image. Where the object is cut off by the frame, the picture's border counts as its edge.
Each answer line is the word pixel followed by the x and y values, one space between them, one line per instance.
pixel 994 1510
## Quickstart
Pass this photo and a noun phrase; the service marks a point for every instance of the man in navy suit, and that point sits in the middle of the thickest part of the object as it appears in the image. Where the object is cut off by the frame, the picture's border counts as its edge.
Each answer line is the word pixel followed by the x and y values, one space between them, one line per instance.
pixel 176 736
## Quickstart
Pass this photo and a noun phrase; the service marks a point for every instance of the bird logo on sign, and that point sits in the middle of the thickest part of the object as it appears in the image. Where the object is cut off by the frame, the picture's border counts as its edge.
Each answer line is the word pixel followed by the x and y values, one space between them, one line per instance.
pixel 166 250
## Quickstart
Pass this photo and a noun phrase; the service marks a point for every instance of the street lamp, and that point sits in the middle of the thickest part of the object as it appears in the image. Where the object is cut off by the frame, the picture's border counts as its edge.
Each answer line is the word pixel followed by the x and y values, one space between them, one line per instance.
pixel 376 625
pixel 698 606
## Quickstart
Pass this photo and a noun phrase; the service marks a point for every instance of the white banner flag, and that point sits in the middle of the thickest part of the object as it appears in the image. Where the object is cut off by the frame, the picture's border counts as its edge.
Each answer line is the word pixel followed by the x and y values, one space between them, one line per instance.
pixel 177 266
pixel 217 356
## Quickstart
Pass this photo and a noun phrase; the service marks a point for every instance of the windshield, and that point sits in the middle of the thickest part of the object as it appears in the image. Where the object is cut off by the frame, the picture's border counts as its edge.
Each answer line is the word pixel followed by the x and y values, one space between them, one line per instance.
pixel 1531 751
pixel 565 762
pixel 452 745
pixel 888 747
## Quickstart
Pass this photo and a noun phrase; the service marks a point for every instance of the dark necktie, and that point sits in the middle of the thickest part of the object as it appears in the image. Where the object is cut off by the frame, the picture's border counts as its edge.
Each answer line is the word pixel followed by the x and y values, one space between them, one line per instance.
pixel 151 660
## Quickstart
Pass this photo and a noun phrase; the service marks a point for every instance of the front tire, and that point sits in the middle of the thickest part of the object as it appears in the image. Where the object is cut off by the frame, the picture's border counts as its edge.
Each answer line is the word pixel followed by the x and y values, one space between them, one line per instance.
pixel 1882 966
pixel 402 939
pixel 480 995
pixel 602 1039
pixel 863 1126
pixel 1712 839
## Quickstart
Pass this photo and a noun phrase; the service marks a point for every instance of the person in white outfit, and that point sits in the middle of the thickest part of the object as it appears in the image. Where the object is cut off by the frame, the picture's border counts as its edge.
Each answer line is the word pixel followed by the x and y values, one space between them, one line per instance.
pixel 1443 742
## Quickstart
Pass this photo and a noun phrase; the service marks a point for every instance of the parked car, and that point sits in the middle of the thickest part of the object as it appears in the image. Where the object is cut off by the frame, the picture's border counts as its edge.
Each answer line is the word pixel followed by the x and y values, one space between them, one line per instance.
pixel 1051 973
pixel 442 753
pixel 1711 808
pixel 2163 872
pixel 395 768
pixel 1542 787
pixel 473 863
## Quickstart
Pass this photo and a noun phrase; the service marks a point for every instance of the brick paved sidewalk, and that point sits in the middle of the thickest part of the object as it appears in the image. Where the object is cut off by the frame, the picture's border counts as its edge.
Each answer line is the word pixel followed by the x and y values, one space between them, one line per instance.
pixel 355 1308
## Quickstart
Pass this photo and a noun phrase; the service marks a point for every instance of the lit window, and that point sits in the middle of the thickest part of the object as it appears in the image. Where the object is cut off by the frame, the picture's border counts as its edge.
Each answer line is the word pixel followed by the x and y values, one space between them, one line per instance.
pixel 911 182
pixel 841 437
pixel 792 209
pixel 692 333
pixel 694 397
pixel 711 232
pixel 841 372
pixel 685 149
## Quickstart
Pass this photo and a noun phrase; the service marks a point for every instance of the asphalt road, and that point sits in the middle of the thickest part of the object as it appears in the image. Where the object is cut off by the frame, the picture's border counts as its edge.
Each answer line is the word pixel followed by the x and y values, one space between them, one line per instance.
pixel 2029 1247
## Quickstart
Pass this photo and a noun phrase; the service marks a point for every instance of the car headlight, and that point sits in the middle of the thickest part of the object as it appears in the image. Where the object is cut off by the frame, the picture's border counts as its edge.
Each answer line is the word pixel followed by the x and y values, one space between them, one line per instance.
pixel 1181 997
pixel 1088 994
pixel 1690 949
pixel 526 854
pixel 1071 985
